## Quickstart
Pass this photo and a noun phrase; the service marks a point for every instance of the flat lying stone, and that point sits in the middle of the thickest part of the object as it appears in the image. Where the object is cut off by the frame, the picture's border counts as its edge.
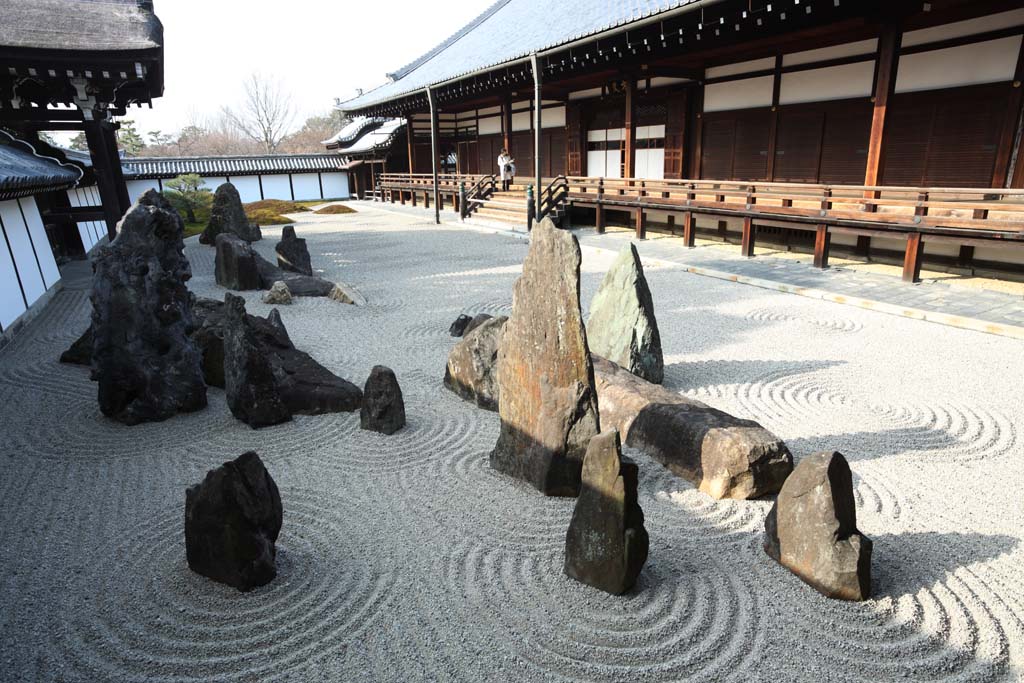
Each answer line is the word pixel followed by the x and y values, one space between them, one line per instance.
pixel 472 366
pixel 383 406
pixel 606 544
pixel 812 529
pixel 548 403
pixel 622 326
pixel 724 456
pixel 232 521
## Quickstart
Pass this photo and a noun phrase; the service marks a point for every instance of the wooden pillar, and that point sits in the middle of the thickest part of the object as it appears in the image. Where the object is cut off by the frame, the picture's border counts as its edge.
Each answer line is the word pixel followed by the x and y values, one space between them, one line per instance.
pixel 433 152
pixel 629 169
pixel 599 211
pixel 822 243
pixel 912 258
pixel 688 229
pixel 411 143
pixel 773 125
pixel 538 190
pixel 723 230
pixel 1011 126
pixel 506 124
pixel 863 248
pixel 671 224
pixel 749 237
pixel 885 85
pixel 106 164
pixel 698 134
pixel 641 225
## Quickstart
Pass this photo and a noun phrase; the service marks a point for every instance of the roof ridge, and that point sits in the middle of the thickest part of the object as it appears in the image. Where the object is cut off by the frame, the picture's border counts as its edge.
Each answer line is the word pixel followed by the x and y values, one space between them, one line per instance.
pixel 227 156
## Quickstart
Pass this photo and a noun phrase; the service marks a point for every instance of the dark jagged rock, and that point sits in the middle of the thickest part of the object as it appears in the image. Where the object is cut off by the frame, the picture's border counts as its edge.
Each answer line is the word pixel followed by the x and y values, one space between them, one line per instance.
pixel 606 545
pixel 473 363
pixel 306 387
pixel 232 520
pixel 252 389
pixel 236 264
pixel 227 215
pixel 458 328
pixel 622 326
pixel 80 351
pixel 292 254
pixel 478 320
pixel 548 403
pixel 724 456
pixel 812 529
pixel 146 364
pixel 383 407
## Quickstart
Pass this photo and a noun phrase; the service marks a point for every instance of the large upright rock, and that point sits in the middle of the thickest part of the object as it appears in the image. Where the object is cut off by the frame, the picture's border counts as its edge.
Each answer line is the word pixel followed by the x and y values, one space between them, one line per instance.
pixel 548 403
pixel 724 456
pixel 622 327
pixel 252 389
pixel 383 407
pixel 473 364
pixel 606 545
pixel 236 263
pixel 292 253
pixel 812 529
pixel 147 367
pixel 228 215
pixel 232 520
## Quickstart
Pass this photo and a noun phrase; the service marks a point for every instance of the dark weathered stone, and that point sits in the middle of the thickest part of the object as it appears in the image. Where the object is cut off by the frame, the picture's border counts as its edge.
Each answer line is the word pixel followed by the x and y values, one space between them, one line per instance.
pixel 80 351
pixel 383 407
pixel 253 393
pixel 548 403
pixel 812 529
pixel 478 320
pixel 236 264
pixel 232 520
pixel 458 328
pixel 724 456
pixel 622 327
pixel 292 254
pixel 227 215
pixel 606 545
pixel 473 364
pixel 147 366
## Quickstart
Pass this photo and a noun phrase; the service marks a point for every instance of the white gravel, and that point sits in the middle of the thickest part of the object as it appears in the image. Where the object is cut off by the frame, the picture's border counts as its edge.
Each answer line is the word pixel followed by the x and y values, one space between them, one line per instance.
pixel 405 558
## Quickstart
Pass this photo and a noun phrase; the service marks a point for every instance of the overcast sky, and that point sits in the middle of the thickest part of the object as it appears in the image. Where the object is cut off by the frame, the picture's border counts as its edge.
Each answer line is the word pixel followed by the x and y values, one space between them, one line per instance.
pixel 320 49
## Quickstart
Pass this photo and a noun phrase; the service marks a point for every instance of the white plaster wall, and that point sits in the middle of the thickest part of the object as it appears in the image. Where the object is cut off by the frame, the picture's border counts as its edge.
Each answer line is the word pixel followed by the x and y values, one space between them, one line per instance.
pixel 276 187
pixel 521 121
pixel 744 94
pixel 993 61
pixel 740 68
pixel 832 83
pixel 990 22
pixel 335 185
pixel 490 125
pixel 306 185
pixel 87 230
pixel 27 268
pixel 650 163
pixel 861 47
pixel 34 222
pixel 585 94
pixel 213 182
pixel 553 118
pixel 248 187
pixel 661 81
pixel 21 247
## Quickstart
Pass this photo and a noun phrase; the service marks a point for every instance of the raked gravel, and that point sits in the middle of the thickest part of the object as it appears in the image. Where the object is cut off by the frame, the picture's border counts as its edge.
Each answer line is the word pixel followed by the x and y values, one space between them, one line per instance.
pixel 405 558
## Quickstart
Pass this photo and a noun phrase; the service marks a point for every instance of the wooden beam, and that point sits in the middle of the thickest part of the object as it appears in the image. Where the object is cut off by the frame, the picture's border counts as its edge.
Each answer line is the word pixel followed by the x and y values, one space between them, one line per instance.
pixel 822 242
pixel 886 68
pixel 630 151
pixel 749 237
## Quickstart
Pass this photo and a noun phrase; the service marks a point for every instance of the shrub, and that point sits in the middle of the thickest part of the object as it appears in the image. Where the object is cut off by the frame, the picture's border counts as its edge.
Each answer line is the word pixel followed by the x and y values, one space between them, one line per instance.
pixel 335 209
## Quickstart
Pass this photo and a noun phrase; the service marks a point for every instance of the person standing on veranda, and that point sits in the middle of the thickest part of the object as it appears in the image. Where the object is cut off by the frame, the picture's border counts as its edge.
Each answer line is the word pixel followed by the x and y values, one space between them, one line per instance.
pixel 504 168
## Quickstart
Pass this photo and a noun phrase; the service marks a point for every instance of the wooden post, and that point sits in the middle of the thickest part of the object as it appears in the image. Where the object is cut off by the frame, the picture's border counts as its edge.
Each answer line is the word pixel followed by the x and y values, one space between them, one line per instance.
pixel 885 86
pixel 412 147
pixel 747 247
pixel 698 133
pixel 433 155
pixel 671 224
pixel 641 227
pixel 912 258
pixel 599 211
pixel 107 166
pixel 1004 152
pixel 537 109
pixel 629 169
pixel 773 126
pixel 506 123
pixel 688 229
pixel 412 196
pixel 822 242
pixel 723 230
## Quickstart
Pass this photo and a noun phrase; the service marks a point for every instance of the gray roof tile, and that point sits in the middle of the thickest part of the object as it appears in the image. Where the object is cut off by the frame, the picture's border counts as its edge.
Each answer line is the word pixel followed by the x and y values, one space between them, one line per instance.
pixel 24 172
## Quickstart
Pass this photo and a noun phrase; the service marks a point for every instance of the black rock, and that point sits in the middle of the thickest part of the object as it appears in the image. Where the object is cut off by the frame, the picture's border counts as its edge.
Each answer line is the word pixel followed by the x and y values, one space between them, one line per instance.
pixel 292 254
pixel 383 408
pixel 143 357
pixel 80 352
pixel 478 320
pixel 458 328
pixel 232 520
pixel 236 264
pixel 227 215
pixel 253 393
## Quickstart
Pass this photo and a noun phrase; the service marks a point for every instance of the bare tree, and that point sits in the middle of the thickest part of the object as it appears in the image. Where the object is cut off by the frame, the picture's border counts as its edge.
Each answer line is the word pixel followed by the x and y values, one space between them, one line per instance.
pixel 266 113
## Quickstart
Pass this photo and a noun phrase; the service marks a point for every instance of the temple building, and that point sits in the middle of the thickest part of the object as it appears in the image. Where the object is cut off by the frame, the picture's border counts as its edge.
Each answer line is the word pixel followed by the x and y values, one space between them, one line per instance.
pixel 888 129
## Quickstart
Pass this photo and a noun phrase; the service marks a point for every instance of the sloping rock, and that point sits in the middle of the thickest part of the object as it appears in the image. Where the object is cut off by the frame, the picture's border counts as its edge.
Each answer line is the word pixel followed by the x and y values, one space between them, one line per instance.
pixel 292 254
pixel 80 351
pixel 253 394
pixel 232 520
pixel 279 295
pixel 548 403
pixel 236 264
pixel 812 529
pixel 473 363
pixel 606 545
pixel 477 320
pixel 146 364
pixel 383 407
pixel 724 456
pixel 228 216
pixel 622 326
pixel 347 295
pixel 458 328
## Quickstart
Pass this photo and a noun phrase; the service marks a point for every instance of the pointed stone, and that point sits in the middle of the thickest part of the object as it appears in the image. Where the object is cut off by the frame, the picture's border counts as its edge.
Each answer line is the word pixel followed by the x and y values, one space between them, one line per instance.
pixel 232 521
pixel 812 529
pixel 622 326
pixel 146 364
pixel 548 403
pixel 253 393
pixel 227 215
pixel 292 253
pixel 383 407
pixel 236 264
pixel 606 545
pixel 473 363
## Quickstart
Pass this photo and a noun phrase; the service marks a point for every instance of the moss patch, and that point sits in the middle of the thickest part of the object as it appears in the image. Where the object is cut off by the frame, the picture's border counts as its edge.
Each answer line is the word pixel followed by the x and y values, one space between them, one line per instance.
pixel 267 217
pixel 277 206
pixel 334 209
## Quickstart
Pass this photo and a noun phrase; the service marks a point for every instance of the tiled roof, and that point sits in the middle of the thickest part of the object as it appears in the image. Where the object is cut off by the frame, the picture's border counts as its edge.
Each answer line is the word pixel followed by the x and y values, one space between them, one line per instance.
pixel 80 24
pixel 169 167
pixel 352 130
pixel 376 140
pixel 24 172
pixel 510 30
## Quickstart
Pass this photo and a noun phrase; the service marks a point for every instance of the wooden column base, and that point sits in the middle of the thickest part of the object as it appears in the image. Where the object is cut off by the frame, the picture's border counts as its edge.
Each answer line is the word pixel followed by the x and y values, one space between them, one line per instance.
pixel 749 237
pixel 723 230
pixel 863 246
pixel 912 259
pixel 641 225
pixel 822 243
pixel 599 219
pixel 688 231
pixel 671 224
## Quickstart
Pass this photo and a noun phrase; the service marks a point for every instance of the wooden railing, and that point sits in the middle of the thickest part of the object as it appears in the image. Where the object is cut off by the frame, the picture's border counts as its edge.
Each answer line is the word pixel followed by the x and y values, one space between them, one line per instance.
pixel 420 186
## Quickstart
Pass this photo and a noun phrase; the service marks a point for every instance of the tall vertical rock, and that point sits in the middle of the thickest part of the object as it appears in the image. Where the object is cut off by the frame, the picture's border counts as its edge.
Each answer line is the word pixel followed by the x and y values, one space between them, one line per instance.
pixel 622 326
pixel 548 404
pixel 812 529
pixel 147 366
pixel 228 215
pixel 292 253
pixel 606 545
